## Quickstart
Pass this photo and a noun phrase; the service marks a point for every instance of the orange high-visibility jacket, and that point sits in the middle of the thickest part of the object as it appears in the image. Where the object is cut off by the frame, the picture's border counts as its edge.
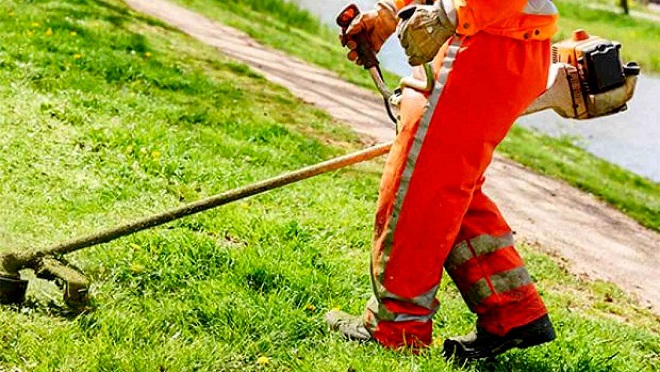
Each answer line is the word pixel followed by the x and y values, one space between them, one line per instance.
pixel 519 19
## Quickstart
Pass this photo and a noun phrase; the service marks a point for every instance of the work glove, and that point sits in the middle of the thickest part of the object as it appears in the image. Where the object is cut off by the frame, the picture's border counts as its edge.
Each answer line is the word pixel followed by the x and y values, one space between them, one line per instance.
pixel 423 30
pixel 377 26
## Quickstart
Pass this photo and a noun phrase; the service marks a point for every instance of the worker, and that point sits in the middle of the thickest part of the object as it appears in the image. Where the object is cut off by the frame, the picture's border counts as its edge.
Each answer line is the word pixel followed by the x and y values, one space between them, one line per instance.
pixel 432 212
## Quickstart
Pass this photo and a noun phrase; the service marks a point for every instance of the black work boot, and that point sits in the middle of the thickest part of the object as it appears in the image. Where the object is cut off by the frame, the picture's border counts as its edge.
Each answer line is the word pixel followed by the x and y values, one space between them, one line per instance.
pixel 349 326
pixel 481 344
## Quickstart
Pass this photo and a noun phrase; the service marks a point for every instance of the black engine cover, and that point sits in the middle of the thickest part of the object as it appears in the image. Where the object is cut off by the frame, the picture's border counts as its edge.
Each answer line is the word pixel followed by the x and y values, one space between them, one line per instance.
pixel 604 68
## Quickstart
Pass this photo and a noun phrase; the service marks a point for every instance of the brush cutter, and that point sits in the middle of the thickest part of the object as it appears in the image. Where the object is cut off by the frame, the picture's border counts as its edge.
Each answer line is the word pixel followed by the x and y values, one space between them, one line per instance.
pixel 587 80
pixel 48 263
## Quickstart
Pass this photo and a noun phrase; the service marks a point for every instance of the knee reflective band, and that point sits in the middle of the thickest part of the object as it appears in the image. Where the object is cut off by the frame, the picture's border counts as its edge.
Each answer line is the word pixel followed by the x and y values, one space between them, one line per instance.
pixel 478 246
pixel 489 272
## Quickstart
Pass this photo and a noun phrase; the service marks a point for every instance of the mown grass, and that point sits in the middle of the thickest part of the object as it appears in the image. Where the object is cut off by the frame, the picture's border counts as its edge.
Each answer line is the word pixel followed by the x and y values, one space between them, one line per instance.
pixel 107 116
pixel 281 25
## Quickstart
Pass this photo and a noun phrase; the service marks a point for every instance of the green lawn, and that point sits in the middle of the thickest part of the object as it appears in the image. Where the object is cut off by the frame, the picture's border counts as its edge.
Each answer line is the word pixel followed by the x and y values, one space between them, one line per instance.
pixel 283 26
pixel 107 116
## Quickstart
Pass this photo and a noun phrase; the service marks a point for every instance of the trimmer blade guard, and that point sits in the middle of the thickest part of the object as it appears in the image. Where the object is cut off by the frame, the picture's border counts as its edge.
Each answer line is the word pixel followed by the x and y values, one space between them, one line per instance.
pixel 74 284
pixel 12 290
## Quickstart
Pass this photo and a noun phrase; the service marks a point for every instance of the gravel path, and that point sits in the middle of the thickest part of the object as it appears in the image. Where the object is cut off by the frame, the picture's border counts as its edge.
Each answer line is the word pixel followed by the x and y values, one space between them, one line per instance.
pixel 597 240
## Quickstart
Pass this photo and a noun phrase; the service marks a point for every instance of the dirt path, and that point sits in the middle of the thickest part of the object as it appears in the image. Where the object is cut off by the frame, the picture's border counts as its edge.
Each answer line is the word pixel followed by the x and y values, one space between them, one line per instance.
pixel 596 239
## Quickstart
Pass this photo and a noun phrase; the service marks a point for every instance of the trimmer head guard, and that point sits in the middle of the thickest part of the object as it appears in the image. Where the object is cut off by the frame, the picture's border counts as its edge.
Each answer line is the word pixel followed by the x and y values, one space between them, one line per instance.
pixel 70 279
pixel 13 289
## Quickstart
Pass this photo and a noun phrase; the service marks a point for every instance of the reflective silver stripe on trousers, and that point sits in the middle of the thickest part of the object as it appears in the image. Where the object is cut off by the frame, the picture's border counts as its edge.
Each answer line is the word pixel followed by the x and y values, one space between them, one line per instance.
pixel 502 283
pixel 382 314
pixel 482 244
pixel 510 280
pixel 540 7
pixel 477 293
pixel 416 148
pixel 425 300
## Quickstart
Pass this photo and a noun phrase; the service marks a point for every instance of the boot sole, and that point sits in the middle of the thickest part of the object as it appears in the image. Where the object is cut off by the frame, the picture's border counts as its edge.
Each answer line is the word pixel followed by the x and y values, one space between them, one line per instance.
pixel 462 354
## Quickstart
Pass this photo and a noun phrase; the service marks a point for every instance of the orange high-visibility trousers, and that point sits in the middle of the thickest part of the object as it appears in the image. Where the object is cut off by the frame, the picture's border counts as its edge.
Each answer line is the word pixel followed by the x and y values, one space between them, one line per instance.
pixel 431 208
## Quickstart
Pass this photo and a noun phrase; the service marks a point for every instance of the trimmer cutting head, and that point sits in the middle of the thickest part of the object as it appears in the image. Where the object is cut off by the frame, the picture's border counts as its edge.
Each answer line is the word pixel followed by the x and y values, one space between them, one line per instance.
pixel 13 289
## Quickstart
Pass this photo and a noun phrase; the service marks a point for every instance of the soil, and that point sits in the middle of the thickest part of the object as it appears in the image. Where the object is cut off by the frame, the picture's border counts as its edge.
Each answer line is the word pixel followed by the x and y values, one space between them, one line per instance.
pixel 595 239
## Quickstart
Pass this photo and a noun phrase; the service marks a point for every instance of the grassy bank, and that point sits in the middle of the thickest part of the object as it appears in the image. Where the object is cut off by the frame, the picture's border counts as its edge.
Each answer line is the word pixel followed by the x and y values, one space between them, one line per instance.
pixel 283 26
pixel 107 116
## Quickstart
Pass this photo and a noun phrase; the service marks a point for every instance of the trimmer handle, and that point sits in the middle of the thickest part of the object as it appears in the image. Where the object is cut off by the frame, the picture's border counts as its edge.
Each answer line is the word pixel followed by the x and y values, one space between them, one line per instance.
pixel 364 51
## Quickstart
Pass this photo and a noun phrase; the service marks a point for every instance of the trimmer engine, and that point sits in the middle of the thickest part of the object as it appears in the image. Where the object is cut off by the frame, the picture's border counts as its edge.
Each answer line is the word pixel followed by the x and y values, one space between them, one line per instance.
pixel 597 82
pixel 597 60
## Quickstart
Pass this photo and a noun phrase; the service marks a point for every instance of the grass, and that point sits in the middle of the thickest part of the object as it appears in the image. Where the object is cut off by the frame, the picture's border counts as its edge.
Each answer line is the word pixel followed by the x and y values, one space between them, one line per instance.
pixel 281 25
pixel 107 116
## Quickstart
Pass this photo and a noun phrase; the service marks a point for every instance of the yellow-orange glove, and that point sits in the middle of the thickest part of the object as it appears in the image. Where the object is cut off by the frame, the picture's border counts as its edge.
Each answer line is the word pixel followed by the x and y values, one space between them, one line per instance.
pixel 377 26
pixel 423 30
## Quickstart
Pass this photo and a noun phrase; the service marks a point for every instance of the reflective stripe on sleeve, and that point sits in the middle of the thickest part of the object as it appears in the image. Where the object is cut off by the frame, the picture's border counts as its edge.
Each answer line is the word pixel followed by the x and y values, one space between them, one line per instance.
pixel 540 7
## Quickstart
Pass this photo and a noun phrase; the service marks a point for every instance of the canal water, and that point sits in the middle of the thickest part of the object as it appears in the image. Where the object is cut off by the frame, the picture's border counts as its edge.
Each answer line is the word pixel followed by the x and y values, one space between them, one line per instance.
pixel 630 139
